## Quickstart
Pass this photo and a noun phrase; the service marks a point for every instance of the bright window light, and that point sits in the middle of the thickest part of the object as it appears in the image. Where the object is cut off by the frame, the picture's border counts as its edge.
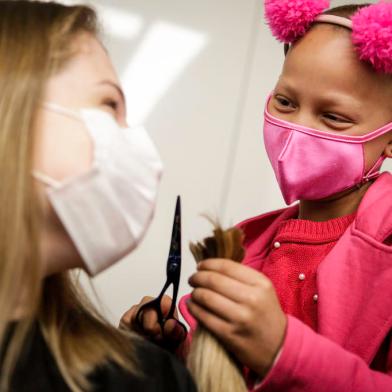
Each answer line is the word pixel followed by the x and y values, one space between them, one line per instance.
pixel 120 24
pixel 116 22
pixel 162 55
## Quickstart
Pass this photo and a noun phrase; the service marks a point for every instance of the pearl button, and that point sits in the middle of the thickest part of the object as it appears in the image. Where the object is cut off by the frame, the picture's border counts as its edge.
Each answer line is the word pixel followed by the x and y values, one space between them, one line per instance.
pixel 301 277
pixel 277 245
pixel 315 298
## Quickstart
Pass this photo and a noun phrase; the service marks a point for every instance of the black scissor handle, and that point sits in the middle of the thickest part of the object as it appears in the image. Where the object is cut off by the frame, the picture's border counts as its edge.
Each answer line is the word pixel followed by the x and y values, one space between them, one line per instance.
pixel 155 304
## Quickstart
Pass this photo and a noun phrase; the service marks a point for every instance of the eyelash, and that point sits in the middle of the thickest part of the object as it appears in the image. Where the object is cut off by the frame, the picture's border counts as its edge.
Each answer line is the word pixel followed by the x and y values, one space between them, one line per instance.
pixel 328 116
pixel 281 100
pixel 112 104
pixel 331 117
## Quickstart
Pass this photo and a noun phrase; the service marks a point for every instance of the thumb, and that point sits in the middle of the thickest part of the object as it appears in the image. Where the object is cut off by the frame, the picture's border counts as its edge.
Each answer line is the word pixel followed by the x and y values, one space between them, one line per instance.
pixel 173 330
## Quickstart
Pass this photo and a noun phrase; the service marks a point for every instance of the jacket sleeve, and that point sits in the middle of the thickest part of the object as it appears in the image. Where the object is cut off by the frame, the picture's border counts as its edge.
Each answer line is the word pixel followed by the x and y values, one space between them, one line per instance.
pixel 311 362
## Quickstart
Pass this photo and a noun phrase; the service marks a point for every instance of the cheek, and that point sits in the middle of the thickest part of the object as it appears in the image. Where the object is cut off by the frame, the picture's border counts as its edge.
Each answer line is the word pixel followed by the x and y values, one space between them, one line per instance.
pixel 58 252
pixel 63 148
pixel 270 106
pixel 276 113
pixel 51 222
pixel 373 150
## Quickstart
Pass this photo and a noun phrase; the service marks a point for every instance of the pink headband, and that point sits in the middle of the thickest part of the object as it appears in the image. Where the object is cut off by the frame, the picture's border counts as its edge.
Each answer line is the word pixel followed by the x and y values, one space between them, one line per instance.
pixel 371 26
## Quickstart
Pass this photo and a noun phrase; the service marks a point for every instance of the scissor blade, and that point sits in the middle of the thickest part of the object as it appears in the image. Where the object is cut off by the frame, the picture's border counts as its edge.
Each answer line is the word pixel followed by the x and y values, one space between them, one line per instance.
pixel 175 244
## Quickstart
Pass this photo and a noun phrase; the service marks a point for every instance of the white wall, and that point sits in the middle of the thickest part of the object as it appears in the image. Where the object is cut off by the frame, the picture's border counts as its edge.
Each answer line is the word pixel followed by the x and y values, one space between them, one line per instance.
pixel 207 66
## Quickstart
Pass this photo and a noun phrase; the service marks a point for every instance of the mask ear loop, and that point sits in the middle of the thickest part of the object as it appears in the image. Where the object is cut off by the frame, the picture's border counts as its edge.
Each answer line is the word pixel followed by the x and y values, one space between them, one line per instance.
pixel 374 172
pixel 46 179
pixel 53 107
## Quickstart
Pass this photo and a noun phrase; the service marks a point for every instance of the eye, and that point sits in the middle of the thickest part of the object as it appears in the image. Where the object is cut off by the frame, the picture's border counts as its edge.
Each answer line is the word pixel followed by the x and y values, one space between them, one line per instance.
pixel 283 104
pixel 112 104
pixel 336 118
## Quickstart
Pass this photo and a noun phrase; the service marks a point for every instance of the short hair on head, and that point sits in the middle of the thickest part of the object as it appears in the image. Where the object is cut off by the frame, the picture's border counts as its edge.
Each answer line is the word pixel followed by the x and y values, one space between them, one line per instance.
pixel 345 11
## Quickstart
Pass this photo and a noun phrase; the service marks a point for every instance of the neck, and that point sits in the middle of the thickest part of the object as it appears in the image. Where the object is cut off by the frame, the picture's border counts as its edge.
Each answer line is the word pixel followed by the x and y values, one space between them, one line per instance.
pixel 345 203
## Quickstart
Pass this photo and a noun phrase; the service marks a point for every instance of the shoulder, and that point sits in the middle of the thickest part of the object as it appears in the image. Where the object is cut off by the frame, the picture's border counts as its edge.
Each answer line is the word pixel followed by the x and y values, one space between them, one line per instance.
pixel 159 371
pixel 260 229
pixel 255 224
pixel 171 371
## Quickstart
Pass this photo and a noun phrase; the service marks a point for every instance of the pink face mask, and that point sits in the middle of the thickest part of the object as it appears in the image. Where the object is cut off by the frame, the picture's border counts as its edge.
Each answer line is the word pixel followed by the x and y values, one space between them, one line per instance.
pixel 311 164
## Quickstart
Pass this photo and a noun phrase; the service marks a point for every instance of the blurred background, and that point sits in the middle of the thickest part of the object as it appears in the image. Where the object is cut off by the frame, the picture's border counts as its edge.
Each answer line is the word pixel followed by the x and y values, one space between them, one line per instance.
pixel 196 74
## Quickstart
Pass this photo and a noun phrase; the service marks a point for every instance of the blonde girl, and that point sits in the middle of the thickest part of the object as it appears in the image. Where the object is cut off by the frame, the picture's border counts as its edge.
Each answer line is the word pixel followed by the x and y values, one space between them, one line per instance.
pixel 60 206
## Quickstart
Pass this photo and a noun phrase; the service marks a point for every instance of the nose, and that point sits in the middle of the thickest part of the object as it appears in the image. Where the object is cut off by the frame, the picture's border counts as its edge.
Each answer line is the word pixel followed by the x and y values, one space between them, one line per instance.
pixel 305 117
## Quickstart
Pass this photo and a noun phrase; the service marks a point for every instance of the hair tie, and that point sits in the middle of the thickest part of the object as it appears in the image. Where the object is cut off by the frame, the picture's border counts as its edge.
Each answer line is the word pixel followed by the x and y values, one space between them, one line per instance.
pixel 372 35
pixel 291 19
pixel 371 26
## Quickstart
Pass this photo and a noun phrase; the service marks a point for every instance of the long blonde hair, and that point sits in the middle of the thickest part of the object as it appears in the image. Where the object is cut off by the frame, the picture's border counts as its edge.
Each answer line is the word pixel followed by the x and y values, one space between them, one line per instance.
pixel 35 42
pixel 212 366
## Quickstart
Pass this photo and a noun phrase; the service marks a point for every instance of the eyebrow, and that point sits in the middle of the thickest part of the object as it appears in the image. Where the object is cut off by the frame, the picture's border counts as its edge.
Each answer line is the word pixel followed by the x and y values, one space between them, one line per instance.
pixel 336 97
pixel 286 85
pixel 116 86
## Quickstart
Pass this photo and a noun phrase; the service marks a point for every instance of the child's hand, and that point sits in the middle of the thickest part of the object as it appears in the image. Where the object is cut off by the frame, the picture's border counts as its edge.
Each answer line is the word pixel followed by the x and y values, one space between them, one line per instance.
pixel 239 305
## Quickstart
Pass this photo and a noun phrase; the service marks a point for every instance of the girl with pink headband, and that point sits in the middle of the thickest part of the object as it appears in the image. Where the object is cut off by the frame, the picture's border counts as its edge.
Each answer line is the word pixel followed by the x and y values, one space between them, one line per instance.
pixel 310 308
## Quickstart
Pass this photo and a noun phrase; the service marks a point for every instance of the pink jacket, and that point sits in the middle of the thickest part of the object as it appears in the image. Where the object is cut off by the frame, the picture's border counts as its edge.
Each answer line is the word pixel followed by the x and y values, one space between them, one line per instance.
pixel 352 350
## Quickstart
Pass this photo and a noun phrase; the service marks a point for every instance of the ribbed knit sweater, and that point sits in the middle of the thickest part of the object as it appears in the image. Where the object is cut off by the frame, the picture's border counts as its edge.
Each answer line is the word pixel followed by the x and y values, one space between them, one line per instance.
pixel 296 252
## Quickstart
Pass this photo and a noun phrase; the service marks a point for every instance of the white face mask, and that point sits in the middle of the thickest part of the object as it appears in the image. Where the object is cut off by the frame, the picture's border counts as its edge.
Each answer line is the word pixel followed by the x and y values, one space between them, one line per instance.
pixel 107 210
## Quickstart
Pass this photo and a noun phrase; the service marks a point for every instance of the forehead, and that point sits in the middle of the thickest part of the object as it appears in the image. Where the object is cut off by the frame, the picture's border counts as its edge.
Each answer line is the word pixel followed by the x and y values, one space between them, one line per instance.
pixel 325 59
pixel 88 65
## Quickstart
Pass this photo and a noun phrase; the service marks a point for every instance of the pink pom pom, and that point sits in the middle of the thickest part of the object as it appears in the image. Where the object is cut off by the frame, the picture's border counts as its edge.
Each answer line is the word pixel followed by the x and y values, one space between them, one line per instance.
pixel 291 19
pixel 372 35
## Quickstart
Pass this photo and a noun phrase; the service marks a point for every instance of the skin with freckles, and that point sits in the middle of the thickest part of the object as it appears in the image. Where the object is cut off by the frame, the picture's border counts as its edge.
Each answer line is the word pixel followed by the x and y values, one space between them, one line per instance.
pixel 323 85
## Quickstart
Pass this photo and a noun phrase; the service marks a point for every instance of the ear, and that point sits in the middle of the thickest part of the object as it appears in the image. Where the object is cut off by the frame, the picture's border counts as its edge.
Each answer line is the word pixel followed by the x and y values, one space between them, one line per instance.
pixel 388 150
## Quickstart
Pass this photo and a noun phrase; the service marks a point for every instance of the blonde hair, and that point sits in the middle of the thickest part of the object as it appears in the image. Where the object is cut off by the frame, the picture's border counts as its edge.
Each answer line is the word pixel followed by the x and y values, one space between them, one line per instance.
pixel 35 42
pixel 212 366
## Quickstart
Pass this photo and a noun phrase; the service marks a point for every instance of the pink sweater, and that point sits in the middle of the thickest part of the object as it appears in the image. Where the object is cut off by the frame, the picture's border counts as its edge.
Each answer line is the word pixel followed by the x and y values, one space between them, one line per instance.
pixel 352 348
pixel 296 251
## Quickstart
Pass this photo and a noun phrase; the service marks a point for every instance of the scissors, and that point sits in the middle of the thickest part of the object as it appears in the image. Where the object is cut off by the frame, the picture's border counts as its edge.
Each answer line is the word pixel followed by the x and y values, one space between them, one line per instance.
pixel 173 271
